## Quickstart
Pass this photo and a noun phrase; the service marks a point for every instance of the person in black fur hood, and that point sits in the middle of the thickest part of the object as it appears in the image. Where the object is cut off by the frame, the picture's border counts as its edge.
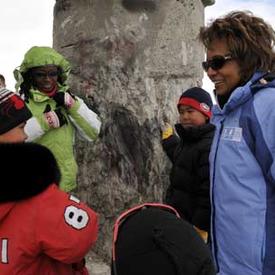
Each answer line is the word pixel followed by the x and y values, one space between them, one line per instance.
pixel 188 151
pixel 43 230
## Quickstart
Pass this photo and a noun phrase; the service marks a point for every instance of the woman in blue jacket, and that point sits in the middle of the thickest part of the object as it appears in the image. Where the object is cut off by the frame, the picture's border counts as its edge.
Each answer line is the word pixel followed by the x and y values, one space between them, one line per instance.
pixel 240 62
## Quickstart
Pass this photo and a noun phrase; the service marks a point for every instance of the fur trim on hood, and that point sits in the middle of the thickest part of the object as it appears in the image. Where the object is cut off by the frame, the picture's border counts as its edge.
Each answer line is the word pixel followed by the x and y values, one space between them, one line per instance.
pixel 27 169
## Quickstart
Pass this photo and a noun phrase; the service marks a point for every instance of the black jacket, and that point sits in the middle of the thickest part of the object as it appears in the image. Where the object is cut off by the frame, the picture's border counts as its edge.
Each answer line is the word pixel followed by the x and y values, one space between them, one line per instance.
pixel 189 178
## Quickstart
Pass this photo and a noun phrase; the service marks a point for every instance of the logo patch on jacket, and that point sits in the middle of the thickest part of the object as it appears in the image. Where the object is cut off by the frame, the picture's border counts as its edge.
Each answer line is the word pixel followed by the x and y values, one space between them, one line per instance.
pixel 232 133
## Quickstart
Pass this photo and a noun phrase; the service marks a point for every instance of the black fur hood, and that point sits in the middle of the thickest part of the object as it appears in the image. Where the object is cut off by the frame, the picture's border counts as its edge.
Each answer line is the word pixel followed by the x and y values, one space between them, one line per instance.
pixel 27 169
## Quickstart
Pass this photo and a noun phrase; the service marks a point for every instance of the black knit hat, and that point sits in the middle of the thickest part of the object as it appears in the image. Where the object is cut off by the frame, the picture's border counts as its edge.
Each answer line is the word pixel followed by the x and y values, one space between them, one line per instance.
pixel 13 110
pixel 154 241
pixel 198 99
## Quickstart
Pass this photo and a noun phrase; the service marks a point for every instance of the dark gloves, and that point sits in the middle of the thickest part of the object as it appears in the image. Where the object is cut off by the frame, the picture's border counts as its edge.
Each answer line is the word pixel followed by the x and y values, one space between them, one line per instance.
pixel 54 119
pixel 64 99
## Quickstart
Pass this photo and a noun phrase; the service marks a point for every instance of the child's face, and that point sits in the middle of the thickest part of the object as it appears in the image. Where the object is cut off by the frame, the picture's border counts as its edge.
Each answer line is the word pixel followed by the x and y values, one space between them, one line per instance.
pixel 191 117
pixel 14 135
pixel 45 78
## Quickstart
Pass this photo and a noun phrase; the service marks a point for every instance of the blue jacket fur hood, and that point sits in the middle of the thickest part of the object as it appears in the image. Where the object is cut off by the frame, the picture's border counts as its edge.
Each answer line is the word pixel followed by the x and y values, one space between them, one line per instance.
pixel 242 180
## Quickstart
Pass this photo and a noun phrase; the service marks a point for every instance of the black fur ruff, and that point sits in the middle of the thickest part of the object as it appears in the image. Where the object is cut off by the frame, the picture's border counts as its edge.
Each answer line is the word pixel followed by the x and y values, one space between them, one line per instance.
pixel 27 169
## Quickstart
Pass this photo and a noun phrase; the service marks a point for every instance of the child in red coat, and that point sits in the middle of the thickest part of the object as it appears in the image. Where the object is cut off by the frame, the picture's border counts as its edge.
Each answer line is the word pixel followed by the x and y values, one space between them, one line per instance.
pixel 43 230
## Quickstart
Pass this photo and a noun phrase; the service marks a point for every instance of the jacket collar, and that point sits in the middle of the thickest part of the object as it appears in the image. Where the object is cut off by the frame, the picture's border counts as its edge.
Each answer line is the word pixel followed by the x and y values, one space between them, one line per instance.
pixel 241 94
pixel 38 96
pixel 193 133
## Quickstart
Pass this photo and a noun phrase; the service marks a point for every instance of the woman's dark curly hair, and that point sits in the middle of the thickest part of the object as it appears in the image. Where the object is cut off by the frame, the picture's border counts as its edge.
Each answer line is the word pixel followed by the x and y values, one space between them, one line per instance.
pixel 249 38
pixel 28 82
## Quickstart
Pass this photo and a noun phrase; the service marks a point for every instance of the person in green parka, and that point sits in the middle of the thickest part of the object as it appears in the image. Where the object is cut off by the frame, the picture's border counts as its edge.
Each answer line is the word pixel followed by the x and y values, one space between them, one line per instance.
pixel 41 81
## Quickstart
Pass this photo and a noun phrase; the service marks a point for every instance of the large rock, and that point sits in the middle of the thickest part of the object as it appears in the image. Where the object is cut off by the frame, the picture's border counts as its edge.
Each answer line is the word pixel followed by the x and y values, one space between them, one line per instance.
pixel 208 2
pixel 131 59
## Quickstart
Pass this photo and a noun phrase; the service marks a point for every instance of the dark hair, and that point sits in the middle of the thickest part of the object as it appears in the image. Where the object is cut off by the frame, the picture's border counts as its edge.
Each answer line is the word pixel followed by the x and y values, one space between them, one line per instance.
pixel 28 82
pixel 249 38
pixel 2 79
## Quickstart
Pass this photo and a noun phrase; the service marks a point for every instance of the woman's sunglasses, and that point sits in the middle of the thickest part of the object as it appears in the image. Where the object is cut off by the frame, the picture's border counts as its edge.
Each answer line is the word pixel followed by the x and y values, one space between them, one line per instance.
pixel 50 74
pixel 216 63
pixel 125 215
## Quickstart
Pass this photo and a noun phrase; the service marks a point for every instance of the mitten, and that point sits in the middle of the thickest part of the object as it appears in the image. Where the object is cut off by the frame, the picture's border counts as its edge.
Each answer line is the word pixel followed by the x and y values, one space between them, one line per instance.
pixel 202 233
pixel 167 130
pixel 54 119
pixel 64 99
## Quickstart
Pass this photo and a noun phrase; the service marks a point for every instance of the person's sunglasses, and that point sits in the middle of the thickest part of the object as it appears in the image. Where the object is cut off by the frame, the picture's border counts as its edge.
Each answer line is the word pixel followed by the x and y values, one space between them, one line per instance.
pixel 121 219
pixel 216 63
pixel 49 74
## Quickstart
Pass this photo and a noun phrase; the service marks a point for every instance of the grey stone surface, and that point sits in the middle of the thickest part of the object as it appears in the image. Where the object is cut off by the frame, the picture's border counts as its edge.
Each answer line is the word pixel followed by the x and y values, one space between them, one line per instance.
pixel 131 60
pixel 96 266
pixel 208 2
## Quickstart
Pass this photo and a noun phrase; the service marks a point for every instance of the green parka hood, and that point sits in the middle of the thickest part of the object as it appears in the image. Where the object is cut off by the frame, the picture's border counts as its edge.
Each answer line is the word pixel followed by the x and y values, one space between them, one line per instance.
pixel 41 56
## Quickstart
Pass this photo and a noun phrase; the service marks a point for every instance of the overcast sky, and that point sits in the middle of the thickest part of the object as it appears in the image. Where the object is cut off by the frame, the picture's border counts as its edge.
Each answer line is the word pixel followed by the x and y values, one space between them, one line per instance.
pixel 25 23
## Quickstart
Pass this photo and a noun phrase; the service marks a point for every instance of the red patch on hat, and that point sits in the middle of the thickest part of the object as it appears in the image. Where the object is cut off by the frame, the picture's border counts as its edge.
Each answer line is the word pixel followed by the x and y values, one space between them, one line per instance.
pixel 18 102
pixel 200 106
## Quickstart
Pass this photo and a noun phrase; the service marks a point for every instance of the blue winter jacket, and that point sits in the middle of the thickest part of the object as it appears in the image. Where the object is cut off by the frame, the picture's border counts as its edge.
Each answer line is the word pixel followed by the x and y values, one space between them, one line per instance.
pixel 242 181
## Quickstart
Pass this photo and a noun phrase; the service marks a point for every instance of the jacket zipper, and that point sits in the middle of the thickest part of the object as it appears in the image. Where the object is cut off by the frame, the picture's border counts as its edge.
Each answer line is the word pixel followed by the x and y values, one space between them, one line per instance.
pixel 214 245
